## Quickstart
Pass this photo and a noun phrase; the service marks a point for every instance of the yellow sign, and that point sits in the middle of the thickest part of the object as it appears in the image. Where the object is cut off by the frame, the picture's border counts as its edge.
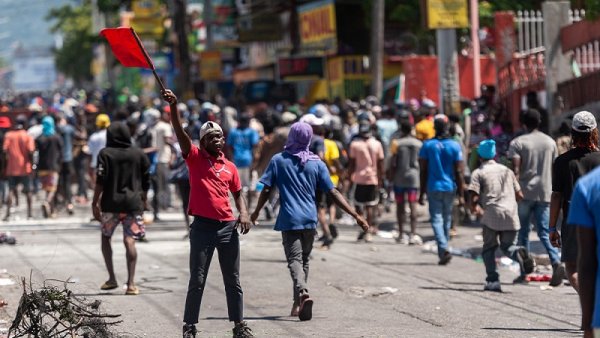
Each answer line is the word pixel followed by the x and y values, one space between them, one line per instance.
pixel 318 25
pixel 447 14
pixel 145 8
pixel 210 65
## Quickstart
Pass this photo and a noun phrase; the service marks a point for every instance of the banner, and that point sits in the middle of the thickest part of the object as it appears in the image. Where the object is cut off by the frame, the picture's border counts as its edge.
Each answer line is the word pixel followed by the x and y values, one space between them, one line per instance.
pixel 318 27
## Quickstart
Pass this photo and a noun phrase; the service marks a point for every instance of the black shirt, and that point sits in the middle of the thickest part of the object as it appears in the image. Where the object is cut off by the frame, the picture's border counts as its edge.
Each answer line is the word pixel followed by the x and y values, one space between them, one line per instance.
pixel 123 172
pixel 50 152
pixel 568 168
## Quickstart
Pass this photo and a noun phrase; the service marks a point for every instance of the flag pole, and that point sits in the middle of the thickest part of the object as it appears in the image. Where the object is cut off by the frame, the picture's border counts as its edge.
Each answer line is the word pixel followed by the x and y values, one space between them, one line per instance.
pixel 139 42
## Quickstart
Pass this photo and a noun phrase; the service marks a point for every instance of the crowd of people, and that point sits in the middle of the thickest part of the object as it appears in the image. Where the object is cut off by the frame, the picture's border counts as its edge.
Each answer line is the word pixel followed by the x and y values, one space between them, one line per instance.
pixel 300 163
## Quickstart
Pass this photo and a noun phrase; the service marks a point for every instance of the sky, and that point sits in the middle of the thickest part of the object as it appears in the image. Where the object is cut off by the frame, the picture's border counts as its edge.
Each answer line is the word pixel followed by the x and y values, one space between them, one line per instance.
pixel 23 21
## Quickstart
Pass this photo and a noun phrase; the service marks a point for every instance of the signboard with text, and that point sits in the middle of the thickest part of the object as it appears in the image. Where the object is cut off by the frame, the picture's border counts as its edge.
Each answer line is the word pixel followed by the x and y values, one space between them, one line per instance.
pixel 318 27
pixel 210 65
pixel 442 14
pixel 301 67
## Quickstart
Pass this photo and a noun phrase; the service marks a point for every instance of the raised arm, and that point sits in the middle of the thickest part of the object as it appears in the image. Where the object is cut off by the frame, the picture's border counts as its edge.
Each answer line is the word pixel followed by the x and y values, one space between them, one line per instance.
pixel 184 140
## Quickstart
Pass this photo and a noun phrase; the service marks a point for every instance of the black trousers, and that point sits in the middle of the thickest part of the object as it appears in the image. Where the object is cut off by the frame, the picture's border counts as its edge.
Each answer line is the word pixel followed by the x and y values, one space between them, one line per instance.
pixel 206 235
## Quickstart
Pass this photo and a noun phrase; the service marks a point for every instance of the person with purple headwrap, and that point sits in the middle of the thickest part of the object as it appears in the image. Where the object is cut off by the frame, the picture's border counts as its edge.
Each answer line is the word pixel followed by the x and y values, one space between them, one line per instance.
pixel 298 173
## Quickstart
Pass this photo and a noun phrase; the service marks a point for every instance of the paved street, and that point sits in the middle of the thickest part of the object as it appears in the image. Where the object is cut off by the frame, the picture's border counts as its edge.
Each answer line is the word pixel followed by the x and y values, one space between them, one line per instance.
pixel 381 289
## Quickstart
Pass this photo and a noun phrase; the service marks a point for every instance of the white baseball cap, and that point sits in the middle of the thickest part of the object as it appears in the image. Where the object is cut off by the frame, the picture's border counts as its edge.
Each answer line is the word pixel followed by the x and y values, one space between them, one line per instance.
pixel 209 127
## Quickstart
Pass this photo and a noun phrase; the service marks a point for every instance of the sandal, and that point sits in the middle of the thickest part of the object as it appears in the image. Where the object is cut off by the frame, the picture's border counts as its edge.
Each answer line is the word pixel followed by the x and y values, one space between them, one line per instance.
pixel 108 285
pixel 133 292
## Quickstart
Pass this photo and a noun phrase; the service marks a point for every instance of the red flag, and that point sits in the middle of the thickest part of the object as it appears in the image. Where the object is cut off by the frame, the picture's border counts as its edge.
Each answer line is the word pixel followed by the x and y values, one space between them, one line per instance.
pixel 127 47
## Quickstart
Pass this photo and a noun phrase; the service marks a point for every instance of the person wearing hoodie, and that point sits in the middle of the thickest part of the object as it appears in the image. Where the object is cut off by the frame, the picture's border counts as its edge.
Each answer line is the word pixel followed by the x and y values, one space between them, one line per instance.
pixel 50 149
pixel 120 197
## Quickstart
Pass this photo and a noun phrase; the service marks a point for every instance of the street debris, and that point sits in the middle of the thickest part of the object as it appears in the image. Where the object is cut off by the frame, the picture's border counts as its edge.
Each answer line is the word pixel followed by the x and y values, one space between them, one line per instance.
pixel 6 281
pixel 52 312
pixel 5 237
pixel 362 292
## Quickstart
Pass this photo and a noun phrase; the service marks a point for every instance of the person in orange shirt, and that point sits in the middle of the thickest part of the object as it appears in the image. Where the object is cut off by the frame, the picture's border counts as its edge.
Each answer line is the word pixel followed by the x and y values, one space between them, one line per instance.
pixel 18 148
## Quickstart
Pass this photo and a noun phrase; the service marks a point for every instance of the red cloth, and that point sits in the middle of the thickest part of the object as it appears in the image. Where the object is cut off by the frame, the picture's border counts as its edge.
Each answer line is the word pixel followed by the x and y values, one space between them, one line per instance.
pixel 209 193
pixel 126 48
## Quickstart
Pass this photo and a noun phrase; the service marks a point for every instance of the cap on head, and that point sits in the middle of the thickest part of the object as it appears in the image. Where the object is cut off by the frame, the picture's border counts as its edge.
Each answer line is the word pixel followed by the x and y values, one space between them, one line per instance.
pixel 312 120
pixel 209 127
pixel 487 149
pixel 102 121
pixel 584 122
pixel 364 127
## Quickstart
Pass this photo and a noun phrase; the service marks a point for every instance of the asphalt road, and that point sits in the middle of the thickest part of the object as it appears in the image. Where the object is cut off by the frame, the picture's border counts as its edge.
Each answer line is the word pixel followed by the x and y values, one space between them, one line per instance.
pixel 382 289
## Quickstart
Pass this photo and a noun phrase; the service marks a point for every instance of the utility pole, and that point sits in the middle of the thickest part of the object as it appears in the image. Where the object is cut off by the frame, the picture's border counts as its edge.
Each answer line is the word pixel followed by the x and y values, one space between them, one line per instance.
pixel 447 70
pixel 476 49
pixel 208 18
pixel 180 25
pixel 376 62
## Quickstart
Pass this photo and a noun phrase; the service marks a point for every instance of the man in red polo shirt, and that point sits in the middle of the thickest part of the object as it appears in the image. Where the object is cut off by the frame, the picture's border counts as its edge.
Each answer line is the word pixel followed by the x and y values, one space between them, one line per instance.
pixel 212 177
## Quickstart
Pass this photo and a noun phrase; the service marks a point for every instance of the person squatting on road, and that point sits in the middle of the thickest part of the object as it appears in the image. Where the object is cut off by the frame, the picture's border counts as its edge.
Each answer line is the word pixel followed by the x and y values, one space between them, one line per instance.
pixel 298 174
pixel 494 192
pixel 212 177
pixel 122 183
pixel 582 158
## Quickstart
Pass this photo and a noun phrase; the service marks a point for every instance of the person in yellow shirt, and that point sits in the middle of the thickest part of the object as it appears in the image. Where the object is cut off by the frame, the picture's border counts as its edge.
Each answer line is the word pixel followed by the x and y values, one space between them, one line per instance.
pixel 424 125
pixel 331 156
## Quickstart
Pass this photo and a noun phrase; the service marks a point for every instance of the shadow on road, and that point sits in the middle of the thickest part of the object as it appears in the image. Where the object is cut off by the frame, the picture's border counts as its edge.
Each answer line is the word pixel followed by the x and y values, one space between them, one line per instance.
pixel 569 331
pixel 451 289
pixel 269 318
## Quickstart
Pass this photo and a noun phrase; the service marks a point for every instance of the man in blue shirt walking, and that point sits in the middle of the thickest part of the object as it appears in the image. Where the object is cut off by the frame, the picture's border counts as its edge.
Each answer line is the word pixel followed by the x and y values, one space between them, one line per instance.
pixel 241 142
pixel 441 165
pixel 585 214
pixel 298 173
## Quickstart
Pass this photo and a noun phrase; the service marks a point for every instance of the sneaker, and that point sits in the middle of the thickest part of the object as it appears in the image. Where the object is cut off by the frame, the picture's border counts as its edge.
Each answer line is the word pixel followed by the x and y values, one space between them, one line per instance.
pixel 327 243
pixel 492 286
pixel 446 258
pixel 305 310
pixel 558 272
pixel 333 230
pixel 295 310
pixel 189 331
pixel 402 239
pixel 525 260
pixel 241 330
pixel 415 240
pixel 368 237
pixel 521 280
pixel 453 232
pixel 361 236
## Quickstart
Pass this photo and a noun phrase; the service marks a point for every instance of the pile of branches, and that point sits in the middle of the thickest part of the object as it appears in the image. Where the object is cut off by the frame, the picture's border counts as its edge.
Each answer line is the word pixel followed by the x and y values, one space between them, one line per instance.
pixel 53 312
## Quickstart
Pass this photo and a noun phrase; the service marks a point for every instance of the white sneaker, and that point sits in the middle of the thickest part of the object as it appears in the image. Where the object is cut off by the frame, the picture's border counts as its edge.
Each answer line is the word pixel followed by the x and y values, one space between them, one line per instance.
pixel 415 240
pixel 404 239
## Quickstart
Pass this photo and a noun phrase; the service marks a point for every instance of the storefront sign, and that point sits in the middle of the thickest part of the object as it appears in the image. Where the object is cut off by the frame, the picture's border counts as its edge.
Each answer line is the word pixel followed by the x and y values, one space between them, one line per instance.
pixel 210 65
pixel 301 67
pixel 318 26
pixel 447 14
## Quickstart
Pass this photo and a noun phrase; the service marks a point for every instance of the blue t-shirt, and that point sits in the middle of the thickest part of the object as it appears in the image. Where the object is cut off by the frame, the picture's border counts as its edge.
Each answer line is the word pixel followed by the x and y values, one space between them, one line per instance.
pixel 67 131
pixel 242 141
pixel 584 212
pixel 441 156
pixel 297 186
